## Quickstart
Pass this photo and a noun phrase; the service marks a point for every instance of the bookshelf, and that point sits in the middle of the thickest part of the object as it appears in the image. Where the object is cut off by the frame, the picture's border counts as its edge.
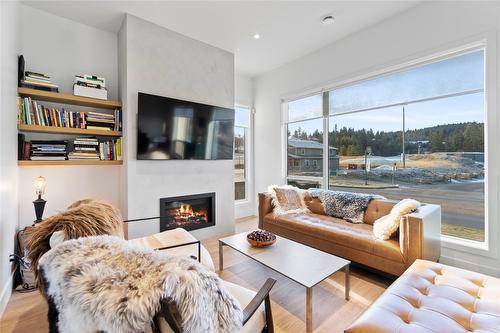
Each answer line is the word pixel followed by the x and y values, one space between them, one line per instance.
pixel 66 130
pixel 28 163
pixel 60 98
pixel 49 96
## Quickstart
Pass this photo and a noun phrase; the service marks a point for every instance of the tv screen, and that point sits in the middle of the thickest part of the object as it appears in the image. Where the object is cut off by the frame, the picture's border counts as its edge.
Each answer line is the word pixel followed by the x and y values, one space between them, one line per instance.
pixel 172 129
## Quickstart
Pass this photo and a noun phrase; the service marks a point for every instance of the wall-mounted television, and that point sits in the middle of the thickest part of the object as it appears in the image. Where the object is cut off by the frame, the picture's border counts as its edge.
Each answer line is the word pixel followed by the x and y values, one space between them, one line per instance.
pixel 173 129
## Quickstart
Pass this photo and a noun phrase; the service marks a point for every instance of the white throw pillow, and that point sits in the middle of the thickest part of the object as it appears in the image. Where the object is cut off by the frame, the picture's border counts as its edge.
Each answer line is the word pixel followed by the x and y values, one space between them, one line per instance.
pixel 287 199
pixel 385 226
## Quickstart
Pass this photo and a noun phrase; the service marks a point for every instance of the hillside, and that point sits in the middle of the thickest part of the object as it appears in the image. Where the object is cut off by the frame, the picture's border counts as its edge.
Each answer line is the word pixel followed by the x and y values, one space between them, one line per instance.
pixel 460 137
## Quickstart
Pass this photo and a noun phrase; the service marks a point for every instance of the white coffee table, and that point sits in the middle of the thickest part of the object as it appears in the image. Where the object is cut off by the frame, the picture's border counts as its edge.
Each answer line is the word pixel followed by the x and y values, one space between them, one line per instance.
pixel 301 263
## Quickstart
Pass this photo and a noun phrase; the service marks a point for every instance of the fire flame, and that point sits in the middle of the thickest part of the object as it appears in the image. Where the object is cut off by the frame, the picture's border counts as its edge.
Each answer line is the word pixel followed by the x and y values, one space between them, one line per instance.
pixel 186 214
pixel 186 209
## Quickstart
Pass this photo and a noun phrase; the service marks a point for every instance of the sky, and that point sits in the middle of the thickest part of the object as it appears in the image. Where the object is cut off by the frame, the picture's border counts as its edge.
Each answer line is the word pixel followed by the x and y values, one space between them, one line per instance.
pixel 459 74
pixel 466 108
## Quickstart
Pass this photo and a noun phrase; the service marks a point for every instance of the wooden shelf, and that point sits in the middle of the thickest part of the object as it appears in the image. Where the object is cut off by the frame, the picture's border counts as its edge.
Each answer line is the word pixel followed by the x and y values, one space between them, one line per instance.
pixel 49 96
pixel 66 130
pixel 68 162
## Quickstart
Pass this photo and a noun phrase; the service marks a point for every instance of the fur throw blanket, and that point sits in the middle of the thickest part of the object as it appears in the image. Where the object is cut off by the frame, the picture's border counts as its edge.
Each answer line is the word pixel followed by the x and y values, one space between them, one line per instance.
pixel 104 283
pixel 287 199
pixel 344 205
pixel 83 218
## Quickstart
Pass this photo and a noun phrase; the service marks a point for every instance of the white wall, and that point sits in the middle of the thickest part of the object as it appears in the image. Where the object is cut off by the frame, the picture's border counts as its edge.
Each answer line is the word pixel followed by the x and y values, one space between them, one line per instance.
pixel 244 97
pixel 63 48
pixel 243 90
pixel 162 62
pixel 421 31
pixel 9 29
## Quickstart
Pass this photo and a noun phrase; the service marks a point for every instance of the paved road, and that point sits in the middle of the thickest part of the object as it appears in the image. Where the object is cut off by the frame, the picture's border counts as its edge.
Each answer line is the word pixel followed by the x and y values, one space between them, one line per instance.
pixel 462 204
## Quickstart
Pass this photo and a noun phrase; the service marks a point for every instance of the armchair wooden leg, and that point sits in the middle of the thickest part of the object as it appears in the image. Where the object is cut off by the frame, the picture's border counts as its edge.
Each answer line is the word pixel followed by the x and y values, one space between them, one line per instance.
pixel 269 315
pixel 262 296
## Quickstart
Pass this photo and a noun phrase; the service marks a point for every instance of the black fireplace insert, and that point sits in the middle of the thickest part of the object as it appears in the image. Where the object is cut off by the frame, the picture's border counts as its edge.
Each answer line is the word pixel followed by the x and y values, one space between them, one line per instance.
pixel 190 212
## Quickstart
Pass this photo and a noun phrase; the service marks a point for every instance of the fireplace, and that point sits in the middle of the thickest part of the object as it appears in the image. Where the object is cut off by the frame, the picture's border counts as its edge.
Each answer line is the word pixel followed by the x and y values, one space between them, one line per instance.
pixel 190 212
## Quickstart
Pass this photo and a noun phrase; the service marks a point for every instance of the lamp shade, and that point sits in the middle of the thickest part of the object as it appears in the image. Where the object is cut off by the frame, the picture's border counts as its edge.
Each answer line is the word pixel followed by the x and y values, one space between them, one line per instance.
pixel 40 185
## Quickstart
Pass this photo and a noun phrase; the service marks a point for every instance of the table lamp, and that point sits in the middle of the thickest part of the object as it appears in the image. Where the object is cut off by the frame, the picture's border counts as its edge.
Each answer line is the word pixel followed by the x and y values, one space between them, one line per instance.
pixel 39 203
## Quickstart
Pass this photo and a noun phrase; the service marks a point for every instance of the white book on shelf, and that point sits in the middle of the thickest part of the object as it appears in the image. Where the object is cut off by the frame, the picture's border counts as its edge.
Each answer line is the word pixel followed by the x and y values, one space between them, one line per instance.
pixel 90 92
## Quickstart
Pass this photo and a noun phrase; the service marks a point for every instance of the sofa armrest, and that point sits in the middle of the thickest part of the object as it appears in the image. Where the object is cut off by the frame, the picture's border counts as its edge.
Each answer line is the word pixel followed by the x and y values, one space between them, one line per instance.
pixel 420 234
pixel 265 207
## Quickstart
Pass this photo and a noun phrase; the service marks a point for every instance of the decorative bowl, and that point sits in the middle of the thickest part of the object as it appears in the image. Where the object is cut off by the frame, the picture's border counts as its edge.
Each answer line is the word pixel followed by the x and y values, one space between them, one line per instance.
pixel 261 238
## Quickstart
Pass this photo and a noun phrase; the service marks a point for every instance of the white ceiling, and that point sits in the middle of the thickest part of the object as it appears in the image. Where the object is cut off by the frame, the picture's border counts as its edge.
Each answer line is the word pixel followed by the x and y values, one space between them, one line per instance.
pixel 289 29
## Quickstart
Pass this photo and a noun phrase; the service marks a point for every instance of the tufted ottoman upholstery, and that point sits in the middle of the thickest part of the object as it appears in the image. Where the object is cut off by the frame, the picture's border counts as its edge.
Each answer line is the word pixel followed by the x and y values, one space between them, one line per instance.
pixel 432 297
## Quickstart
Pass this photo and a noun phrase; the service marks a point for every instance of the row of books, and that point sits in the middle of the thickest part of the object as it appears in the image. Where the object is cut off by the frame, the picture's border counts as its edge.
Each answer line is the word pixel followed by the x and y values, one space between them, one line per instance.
pixel 30 112
pixel 57 150
pixel 38 81
pixel 110 150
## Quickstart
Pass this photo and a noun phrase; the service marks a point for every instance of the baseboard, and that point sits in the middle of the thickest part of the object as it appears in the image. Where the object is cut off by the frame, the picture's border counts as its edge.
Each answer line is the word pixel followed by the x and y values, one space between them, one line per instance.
pixel 5 296
pixel 473 266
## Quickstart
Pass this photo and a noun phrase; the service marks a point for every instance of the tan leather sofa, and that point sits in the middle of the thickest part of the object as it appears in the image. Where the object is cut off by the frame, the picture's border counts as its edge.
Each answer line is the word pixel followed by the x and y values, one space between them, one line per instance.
pixel 418 236
pixel 432 297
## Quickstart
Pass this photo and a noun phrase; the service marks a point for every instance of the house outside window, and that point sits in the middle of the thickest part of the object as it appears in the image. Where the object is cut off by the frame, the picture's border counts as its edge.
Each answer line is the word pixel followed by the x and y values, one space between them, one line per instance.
pixel 418 132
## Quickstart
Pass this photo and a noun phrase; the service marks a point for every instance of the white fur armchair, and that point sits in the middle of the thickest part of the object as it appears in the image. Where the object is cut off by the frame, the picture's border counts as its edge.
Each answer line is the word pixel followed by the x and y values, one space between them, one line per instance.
pixel 258 316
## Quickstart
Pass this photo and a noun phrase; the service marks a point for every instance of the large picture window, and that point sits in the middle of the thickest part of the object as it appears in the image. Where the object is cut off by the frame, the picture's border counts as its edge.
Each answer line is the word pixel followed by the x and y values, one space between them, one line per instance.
pixel 416 133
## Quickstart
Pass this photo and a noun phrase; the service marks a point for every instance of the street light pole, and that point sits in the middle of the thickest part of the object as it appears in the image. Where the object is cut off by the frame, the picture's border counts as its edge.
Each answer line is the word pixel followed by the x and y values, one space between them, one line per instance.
pixel 366 166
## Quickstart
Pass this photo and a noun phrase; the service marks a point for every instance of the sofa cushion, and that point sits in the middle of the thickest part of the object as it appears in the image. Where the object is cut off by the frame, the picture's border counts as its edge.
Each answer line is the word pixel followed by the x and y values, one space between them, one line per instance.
pixel 432 297
pixel 358 236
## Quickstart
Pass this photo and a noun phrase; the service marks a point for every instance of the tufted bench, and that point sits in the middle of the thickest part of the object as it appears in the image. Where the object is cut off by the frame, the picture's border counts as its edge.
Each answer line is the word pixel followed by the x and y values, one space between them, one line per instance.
pixel 432 297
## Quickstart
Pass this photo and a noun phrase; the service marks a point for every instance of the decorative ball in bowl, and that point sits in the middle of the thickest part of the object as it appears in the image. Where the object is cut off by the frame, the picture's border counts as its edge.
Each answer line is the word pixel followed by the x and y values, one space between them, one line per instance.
pixel 261 238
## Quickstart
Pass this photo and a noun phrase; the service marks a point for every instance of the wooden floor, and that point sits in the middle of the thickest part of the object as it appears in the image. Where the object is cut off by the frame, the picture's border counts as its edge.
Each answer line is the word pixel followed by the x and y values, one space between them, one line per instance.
pixel 26 313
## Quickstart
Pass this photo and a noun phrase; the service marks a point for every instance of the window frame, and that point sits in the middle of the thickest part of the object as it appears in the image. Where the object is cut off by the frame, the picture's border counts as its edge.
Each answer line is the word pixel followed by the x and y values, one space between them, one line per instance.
pixel 248 156
pixel 488 248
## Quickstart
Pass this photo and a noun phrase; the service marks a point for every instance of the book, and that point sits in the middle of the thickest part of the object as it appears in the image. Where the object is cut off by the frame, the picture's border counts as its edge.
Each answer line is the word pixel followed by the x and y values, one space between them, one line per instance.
pixel 79 90
pixel 92 79
pixel 26 151
pixel 100 128
pixel 38 87
pixel 37 78
pixel 48 158
pixel 20 145
pixel 38 83
pixel 31 73
pixel 86 143
pixel 101 115
pixel 99 120
pixel 20 70
pixel 86 149
pixel 90 85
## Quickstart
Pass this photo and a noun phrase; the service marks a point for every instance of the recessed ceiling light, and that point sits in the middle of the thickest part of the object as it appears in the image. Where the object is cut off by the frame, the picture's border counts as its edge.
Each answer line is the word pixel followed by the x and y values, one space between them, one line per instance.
pixel 256 36
pixel 327 20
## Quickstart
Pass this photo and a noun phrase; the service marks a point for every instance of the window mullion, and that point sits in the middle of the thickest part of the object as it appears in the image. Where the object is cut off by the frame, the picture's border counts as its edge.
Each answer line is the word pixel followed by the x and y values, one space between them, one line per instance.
pixel 326 156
